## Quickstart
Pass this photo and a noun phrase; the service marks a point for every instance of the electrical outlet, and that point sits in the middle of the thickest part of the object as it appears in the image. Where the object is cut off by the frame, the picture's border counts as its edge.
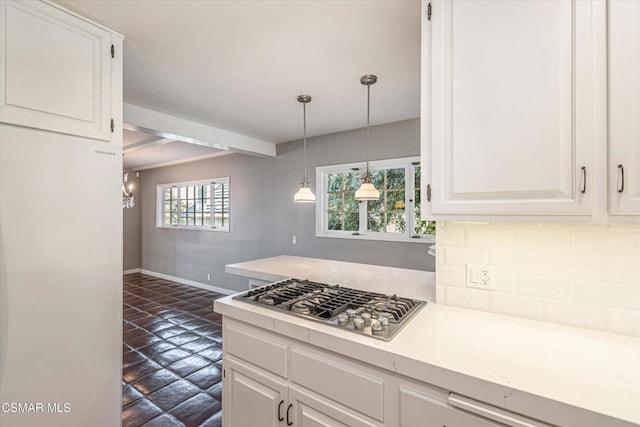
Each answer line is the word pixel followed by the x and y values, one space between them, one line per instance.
pixel 209 276
pixel 294 240
pixel 480 276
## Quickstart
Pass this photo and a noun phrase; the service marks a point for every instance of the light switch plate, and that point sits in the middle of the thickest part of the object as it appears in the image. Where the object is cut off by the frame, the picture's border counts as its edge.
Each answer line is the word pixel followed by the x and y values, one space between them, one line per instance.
pixel 480 276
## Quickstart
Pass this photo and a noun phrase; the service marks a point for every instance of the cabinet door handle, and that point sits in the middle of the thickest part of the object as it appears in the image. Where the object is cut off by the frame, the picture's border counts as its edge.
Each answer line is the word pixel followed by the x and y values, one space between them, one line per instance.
pixel 280 417
pixel 621 173
pixel 289 422
pixel 584 180
pixel 428 192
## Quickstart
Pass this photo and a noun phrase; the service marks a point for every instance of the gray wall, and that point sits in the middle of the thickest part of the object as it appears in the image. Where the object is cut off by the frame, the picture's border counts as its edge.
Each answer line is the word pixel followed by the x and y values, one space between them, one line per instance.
pixel 263 215
pixel 131 227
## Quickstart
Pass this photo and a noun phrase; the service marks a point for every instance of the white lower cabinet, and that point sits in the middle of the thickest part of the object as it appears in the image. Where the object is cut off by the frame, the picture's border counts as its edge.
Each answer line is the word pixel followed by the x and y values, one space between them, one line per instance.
pixel 296 384
pixel 252 397
pixel 271 381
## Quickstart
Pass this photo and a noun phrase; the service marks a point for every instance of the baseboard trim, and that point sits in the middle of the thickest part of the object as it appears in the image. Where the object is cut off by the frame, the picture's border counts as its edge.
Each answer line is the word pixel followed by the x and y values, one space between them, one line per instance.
pixel 131 271
pixel 188 282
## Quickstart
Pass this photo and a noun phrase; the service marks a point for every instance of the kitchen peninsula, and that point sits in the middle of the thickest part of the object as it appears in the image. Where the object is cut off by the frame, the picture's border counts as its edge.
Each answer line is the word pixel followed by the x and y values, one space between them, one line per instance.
pixel 447 365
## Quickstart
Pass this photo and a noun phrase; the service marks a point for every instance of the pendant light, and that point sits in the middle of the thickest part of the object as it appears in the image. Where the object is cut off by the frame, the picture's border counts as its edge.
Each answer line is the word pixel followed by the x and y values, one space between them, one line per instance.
pixel 367 191
pixel 304 194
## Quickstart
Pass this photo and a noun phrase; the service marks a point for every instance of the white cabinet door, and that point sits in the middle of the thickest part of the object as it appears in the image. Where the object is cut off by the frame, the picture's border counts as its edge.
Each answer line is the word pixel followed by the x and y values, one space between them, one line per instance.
pixel 56 70
pixel 508 94
pixel 252 397
pixel 624 106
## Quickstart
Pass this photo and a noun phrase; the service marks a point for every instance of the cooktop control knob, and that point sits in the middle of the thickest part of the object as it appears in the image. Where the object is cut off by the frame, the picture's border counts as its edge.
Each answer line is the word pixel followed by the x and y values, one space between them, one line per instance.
pixel 359 323
pixel 376 327
pixel 384 321
pixel 351 313
pixel 367 319
pixel 343 318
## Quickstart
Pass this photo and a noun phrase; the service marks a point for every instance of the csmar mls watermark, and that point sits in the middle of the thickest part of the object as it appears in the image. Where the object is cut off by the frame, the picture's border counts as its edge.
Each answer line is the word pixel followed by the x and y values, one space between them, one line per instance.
pixel 35 407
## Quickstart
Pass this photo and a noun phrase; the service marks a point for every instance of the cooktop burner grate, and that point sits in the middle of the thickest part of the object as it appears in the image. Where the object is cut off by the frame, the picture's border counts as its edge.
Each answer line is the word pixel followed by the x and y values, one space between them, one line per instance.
pixel 329 303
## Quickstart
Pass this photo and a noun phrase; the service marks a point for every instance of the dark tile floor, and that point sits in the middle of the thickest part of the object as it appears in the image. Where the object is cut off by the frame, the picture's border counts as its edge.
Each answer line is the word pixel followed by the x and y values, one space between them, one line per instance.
pixel 172 355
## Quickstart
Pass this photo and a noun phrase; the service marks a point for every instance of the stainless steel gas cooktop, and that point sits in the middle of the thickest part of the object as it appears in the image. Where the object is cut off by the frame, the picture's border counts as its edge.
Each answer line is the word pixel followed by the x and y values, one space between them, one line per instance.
pixel 367 313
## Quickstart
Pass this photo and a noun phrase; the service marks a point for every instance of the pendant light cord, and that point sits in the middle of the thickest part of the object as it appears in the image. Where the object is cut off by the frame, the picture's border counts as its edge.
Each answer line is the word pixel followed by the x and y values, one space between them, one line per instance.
pixel 368 115
pixel 304 120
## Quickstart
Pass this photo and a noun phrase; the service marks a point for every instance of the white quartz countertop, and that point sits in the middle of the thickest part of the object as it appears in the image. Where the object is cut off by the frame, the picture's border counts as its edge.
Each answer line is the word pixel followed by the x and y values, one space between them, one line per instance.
pixel 580 377
pixel 417 284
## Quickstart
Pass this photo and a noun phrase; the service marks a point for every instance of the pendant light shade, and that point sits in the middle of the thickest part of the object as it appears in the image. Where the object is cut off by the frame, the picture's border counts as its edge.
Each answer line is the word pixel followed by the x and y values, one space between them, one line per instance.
pixel 367 190
pixel 304 194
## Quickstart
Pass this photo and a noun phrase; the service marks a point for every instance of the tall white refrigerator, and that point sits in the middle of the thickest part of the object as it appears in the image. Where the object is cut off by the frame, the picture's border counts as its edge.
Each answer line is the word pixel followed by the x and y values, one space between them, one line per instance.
pixel 60 218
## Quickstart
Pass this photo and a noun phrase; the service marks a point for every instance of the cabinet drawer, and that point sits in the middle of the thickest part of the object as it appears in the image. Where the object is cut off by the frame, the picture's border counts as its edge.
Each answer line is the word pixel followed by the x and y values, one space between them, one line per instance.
pixel 258 348
pixel 348 385
pixel 421 410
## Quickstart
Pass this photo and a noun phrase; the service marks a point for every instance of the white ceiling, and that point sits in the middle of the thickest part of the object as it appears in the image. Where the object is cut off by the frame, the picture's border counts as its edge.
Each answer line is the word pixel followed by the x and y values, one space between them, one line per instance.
pixel 240 65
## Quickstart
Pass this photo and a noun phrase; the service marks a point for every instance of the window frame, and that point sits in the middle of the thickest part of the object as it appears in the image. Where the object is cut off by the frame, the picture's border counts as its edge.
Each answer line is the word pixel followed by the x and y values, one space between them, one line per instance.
pixel 211 182
pixel 409 164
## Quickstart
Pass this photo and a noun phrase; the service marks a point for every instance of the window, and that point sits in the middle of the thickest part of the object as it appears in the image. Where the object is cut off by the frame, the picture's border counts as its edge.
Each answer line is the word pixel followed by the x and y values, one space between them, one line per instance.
pixel 396 216
pixel 197 205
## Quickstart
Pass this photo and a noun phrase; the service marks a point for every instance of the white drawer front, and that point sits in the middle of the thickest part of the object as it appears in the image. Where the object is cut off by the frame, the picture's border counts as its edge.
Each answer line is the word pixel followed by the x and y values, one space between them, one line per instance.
pixel 352 388
pixel 258 349
pixel 421 410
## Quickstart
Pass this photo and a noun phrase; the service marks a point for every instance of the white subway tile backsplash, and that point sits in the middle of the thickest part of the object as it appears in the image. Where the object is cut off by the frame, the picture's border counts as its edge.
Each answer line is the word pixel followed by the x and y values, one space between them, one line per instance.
pixel 463 255
pixel 521 226
pixel 576 274
pixel 449 234
pixel 572 227
pixel 516 305
pixel 484 237
pixel 624 322
pixel 622 270
pixel 504 282
pixel 621 244
pixel 608 294
pixel 536 240
pixel 633 228
pixel 476 299
pixel 516 262
pixel 588 242
pixel 575 266
pixel 545 286
pixel 451 276
pixel 570 313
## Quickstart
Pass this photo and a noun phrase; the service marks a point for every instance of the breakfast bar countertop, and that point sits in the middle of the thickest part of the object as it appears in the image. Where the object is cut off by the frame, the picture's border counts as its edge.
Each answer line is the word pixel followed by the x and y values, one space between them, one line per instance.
pixel 417 284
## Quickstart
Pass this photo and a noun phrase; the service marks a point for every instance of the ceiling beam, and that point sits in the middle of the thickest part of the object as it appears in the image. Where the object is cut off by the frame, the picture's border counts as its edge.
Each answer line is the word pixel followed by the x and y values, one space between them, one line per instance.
pixel 175 128
pixel 146 143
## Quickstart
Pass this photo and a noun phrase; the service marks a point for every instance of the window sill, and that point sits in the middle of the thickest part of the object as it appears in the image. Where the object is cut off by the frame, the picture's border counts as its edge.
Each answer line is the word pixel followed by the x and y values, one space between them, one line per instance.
pixel 185 227
pixel 428 239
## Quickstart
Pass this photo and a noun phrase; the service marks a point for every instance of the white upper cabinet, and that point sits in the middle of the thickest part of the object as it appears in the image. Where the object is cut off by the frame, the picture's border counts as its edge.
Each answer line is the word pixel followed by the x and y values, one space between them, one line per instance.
pixel 508 97
pixel 624 107
pixel 56 70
